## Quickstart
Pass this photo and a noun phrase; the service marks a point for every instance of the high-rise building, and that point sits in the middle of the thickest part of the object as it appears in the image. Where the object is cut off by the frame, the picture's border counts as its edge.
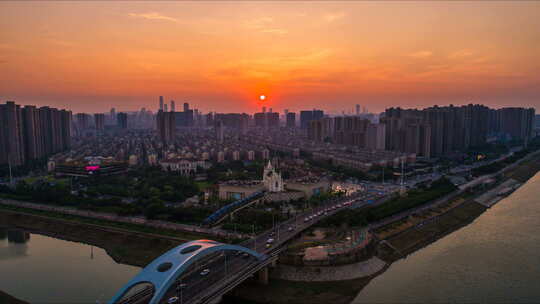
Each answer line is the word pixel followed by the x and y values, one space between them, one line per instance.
pixel 307 116
pixel 113 116
pixel 235 121
pixel 166 126
pixel 82 121
pixel 29 133
pixel 161 103
pixel 264 109
pixel 122 120
pixel 318 114
pixel 376 134
pixel 209 118
pixel 186 106
pixel 357 109
pixel 165 108
pixel 99 120
pixel 437 131
pixel 515 123
pixel 260 119
pixel 32 133
pixel 11 134
pixel 291 119
pixel 272 120
pixel 173 106
pixel 185 118
pixel 219 129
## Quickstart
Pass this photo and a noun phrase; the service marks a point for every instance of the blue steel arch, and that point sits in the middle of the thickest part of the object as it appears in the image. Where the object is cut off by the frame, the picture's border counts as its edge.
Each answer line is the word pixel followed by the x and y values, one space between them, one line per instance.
pixel 162 281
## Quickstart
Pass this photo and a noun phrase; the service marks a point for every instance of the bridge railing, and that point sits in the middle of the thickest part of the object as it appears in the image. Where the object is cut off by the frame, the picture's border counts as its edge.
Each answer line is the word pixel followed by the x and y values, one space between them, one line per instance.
pixel 223 211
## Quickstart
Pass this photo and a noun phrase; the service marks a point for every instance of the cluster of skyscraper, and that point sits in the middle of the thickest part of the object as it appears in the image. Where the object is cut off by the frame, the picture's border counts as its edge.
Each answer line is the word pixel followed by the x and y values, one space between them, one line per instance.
pixel 29 133
pixel 84 123
pixel 437 131
pixel 167 121
pixel 431 132
pixel 348 130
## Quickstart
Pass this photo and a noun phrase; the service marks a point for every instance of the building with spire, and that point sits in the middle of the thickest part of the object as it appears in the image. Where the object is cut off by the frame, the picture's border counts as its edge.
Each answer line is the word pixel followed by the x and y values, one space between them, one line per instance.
pixel 272 180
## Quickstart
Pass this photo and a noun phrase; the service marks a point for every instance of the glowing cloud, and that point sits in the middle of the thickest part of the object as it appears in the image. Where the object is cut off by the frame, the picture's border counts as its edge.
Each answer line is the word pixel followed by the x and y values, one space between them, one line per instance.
pixel 153 16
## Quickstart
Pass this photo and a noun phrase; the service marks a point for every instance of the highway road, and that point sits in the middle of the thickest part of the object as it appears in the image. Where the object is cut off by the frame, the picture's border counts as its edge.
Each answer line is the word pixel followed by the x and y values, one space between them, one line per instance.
pixel 223 266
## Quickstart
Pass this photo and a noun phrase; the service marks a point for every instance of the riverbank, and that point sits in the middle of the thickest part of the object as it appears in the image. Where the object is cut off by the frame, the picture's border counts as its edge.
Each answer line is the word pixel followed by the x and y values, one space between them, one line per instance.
pixel 7 299
pixel 295 292
pixel 403 237
pixel 132 221
pixel 397 239
pixel 124 246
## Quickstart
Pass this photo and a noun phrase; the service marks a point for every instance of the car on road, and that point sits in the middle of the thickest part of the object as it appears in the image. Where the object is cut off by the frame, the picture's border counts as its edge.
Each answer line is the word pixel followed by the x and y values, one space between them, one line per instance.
pixel 245 255
pixel 172 300
pixel 268 245
pixel 306 219
pixel 290 229
pixel 205 272
pixel 270 241
pixel 181 286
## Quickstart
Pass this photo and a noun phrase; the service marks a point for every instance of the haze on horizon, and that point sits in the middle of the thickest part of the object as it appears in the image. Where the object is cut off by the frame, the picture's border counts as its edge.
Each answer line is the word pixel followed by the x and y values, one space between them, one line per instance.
pixel 220 56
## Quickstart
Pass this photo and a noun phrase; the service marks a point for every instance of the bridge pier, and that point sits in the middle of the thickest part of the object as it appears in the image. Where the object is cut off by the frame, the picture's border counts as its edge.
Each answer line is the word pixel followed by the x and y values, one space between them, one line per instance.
pixel 263 276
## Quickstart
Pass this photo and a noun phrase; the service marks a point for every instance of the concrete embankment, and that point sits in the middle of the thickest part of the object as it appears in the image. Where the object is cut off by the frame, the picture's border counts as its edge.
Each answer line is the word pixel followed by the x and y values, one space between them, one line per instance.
pixel 493 196
pixel 327 274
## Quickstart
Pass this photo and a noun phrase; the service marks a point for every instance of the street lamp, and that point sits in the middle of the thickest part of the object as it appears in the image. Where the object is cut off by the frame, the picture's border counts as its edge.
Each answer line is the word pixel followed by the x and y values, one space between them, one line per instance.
pixel 254 239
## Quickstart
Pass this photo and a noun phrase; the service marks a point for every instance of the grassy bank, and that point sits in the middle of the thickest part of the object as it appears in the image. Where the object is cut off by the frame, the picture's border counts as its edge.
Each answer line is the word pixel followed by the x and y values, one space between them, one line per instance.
pixel 525 171
pixel 126 247
pixel 418 237
pixel 107 224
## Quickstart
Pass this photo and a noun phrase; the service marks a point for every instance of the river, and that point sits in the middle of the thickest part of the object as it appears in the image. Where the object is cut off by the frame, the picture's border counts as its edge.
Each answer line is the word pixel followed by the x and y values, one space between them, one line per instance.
pixel 42 269
pixel 495 259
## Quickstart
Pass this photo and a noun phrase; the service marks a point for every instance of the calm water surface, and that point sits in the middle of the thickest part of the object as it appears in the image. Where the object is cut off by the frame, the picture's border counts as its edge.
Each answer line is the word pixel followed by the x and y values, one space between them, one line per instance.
pixel 41 269
pixel 496 259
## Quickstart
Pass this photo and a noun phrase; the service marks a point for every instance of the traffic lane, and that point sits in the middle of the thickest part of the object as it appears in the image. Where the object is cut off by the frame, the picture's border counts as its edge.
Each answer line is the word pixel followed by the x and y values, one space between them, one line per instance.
pixel 283 228
pixel 197 283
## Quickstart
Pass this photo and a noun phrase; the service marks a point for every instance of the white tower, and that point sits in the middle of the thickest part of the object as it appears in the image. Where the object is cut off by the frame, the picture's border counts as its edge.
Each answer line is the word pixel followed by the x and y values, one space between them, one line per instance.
pixel 272 180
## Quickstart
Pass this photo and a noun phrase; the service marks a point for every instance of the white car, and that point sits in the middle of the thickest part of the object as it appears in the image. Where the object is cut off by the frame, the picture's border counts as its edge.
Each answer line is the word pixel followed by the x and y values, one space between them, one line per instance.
pixel 205 272
pixel 181 286
pixel 270 241
pixel 172 300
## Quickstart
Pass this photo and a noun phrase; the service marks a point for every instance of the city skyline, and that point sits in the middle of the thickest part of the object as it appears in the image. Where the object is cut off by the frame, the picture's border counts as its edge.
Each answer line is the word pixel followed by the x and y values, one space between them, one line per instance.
pixel 222 57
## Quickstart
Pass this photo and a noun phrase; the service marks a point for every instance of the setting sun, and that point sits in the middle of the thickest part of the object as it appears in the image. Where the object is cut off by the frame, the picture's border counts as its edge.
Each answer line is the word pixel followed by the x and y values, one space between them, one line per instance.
pixel 262 98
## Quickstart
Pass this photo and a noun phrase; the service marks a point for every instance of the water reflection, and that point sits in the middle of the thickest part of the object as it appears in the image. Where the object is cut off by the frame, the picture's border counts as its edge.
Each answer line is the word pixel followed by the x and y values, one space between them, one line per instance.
pixel 13 243
pixel 493 260
pixel 39 269
pixel 17 236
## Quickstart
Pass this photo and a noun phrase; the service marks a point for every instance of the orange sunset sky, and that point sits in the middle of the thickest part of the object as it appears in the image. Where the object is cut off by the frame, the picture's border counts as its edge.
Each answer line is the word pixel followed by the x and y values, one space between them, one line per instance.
pixel 220 56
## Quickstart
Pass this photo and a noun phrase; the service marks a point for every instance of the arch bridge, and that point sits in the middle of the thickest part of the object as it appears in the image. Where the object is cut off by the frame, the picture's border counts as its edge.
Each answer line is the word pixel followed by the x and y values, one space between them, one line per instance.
pixel 160 279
